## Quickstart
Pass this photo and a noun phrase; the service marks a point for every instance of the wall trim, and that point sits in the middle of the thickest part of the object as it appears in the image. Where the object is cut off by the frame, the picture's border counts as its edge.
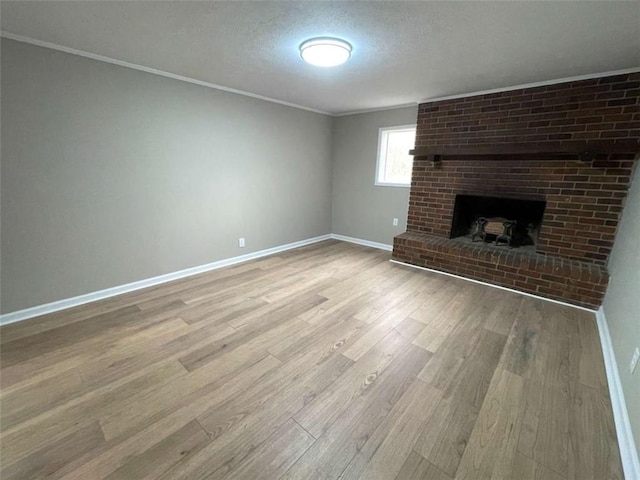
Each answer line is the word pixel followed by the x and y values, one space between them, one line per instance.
pixel 626 443
pixel 360 241
pixel 66 303
pixel 532 85
pixel 375 109
pixel 154 71
pixel 494 286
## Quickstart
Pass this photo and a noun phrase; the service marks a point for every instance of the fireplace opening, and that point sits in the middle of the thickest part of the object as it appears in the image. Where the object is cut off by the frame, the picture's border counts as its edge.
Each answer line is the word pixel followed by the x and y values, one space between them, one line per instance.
pixel 494 220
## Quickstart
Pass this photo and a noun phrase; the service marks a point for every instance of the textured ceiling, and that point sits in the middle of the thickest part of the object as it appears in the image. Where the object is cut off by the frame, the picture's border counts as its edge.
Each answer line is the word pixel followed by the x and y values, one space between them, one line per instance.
pixel 403 52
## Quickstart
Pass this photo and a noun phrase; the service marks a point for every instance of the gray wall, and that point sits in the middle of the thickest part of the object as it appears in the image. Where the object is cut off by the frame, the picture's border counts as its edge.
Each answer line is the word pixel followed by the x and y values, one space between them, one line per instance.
pixel 622 302
pixel 111 175
pixel 361 209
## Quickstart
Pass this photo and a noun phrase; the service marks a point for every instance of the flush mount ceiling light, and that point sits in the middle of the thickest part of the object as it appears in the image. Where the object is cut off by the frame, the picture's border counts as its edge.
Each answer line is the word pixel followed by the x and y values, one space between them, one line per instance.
pixel 325 52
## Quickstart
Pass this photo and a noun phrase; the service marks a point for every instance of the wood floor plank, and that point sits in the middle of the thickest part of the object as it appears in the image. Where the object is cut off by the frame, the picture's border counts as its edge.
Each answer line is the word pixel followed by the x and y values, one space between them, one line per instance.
pixel 409 328
pixel 264 394
pixel 360 281
pixel 29 347
pixel 236 435
pixel 220 285
pixel 386 323
pixel 441 325
pixel 23 375
pixel 384 454
pixel 335 334
pixel 391 372
pixel 593 451
pixel 267 322
pixel 219 312
pixel 332 452
pixel 318 415
pixel 217 372
pixel 164 424
pixel 520 351
pixel 492 447
pixel 525 468
pixel 107 368
pixel 393 303
pixel 551 447
pixel 273 311
pixel 349 305
pixel 434 301
pixel 46 461
pixel 418 468
pixel 82 355
pixel 530 348
pixel 312 283
pixel 276 454
pixel 34 326
pixel 38 397
pixel 506 308
pixel 455 349
pixel 50 426
pixel 447 433
pixel 591 363
pixel 171 450
pixel 251 288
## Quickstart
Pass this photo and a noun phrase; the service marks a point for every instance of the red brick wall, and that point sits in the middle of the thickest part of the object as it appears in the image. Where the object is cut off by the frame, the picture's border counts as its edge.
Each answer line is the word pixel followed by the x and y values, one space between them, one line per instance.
pixel 603 108
pixel 584 200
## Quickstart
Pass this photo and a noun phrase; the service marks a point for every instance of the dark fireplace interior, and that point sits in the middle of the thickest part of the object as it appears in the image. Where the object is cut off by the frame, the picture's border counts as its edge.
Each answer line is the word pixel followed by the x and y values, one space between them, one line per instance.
pixel 523 219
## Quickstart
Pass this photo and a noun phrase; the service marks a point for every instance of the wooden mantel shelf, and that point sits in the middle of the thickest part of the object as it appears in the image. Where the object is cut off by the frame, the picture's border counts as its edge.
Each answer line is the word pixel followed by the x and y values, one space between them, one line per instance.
pixel 585 150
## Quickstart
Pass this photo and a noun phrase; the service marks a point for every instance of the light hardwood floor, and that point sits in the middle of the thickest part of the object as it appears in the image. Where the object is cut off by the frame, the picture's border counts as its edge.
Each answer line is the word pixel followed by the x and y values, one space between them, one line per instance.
pixel 323 362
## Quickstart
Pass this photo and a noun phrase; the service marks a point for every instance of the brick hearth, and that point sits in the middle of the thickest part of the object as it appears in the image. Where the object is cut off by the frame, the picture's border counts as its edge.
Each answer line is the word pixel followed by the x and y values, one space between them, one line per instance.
pixel 584 200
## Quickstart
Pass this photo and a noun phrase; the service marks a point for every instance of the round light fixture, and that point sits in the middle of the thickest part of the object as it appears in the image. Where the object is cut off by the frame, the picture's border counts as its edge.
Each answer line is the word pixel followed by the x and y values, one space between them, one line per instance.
pixel 325 52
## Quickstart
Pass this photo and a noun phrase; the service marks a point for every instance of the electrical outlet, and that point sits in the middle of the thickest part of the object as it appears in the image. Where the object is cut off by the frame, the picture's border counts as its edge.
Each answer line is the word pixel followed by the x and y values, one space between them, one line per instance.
pixel 634 360
pixel 395 222
pixel 241 242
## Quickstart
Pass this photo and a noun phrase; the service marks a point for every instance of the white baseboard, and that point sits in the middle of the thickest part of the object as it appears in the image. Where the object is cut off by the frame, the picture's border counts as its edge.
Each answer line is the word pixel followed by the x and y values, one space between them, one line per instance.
pixel 56 306
pixel 494 286
pixel 628 451
pixel 36 311
pixel 360 241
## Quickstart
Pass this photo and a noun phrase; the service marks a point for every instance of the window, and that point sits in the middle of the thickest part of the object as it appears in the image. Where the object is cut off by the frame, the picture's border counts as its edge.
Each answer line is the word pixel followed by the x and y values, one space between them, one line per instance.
pixel 394 162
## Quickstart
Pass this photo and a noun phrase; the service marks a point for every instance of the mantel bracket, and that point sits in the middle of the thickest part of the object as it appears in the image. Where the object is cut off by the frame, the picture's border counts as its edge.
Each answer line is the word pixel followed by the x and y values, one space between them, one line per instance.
pixel 435 160
pixel 586 157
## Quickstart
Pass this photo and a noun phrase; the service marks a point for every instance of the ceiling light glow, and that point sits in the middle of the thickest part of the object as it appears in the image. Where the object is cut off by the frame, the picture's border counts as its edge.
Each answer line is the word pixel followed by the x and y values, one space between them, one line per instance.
pixel 325 52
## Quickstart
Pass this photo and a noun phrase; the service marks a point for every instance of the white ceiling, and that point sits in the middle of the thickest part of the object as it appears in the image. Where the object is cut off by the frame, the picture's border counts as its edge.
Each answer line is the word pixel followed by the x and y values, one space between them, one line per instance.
pixel 403 52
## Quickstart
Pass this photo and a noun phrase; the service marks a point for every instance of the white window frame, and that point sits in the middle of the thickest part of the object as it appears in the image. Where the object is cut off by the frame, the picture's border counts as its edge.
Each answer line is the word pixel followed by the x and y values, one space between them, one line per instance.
pixel 382 147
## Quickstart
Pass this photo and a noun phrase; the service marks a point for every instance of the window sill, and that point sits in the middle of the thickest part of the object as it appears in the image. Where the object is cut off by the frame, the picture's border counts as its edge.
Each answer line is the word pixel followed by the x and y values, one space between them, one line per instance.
pixel 400 185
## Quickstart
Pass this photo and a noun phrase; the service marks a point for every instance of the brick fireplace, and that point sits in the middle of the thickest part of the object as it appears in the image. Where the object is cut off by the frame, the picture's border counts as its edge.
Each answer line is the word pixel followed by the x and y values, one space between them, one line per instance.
pixel 580 200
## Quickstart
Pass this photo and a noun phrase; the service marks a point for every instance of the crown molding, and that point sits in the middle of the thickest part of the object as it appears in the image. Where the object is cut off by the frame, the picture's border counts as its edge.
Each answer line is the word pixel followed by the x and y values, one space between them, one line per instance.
pixel 162 73
pixel 154 71
pixel 372 110
pixel 532 85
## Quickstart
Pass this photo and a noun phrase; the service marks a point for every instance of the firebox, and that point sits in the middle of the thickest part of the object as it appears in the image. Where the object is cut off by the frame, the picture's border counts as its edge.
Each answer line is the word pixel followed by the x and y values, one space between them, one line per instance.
pixel 509 221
